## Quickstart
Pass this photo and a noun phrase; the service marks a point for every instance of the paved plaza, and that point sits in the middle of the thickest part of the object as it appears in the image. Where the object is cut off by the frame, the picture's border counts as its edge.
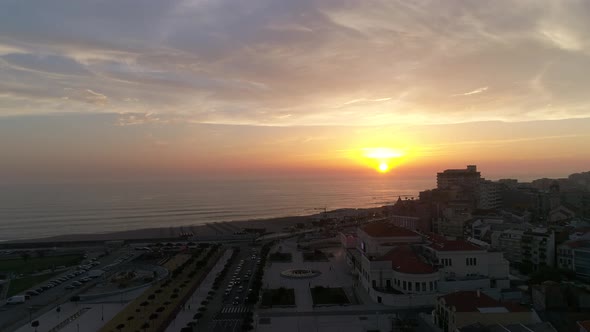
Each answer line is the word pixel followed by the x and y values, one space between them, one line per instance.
pixel 361 315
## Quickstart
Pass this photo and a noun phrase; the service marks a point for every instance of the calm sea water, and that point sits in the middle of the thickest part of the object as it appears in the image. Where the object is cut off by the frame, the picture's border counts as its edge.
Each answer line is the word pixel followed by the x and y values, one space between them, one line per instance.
pixel 34 211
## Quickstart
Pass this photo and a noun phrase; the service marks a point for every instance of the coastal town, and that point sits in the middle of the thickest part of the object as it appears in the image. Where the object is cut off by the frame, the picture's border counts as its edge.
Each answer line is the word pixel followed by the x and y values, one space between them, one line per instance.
pixel 469 255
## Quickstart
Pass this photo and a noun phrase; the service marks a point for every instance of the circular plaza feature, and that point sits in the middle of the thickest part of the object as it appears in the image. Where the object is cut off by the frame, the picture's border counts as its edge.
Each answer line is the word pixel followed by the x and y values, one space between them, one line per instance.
pixel 300 273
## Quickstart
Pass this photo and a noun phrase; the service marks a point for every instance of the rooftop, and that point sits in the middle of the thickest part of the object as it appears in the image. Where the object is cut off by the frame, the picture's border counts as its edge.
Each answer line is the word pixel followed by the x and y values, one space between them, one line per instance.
pixel 474 301
pixel 405 259
pixel 454 245
pixel 382 229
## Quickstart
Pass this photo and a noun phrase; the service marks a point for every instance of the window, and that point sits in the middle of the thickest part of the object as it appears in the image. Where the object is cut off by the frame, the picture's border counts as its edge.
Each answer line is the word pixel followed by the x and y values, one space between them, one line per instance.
pixel 404 285
pixel 417 287
pixel 470 261
pixel 447 262
pixel 424 287
pixel 388 283
pixel 409 286
pixel 374 283
pixel 431 288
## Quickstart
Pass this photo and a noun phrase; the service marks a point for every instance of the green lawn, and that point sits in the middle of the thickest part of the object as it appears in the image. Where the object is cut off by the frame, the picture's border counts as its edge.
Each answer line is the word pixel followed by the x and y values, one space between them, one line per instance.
pixel 324 295
pixel 281 296
pixel 19 265
pixel 23 284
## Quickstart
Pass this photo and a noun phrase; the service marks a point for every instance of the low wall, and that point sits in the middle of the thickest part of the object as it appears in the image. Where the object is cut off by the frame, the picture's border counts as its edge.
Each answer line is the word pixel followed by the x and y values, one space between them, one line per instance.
pixel 404 300
pixel 449 286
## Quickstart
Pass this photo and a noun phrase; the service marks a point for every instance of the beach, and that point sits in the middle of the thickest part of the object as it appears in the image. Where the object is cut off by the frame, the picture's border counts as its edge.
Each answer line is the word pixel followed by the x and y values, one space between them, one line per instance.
pixel 272 225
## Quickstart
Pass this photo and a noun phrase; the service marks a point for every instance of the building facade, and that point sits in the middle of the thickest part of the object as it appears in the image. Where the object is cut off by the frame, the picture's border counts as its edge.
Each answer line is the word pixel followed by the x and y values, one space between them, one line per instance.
pixel 459 309
pixel 466 178
pixel 533 247
pixel 575 256
pixel 402 267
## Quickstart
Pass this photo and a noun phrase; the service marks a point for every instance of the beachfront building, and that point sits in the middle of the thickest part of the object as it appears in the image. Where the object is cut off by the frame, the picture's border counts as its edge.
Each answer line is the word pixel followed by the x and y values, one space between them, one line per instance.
pixel 575 256
pixel 459 309
pixel 400 267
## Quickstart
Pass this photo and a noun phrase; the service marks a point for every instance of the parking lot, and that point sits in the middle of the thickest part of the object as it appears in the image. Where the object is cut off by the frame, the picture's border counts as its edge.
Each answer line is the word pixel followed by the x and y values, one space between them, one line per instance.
pixel 61 288
pixel 236 291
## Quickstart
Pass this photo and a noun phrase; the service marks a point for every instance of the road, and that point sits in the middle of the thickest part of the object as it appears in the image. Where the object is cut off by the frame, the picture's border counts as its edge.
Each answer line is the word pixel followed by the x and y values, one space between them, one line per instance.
pixel 14 316
pixel 226 311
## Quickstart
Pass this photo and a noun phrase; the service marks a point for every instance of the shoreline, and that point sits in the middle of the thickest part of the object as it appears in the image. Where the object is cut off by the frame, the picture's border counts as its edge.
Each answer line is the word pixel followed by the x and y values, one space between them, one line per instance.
pixel 207 229
pixel 276 224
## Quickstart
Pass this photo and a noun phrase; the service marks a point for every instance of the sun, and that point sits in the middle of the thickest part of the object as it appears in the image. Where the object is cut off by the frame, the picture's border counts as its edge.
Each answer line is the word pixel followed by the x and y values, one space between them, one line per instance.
pixel 383 167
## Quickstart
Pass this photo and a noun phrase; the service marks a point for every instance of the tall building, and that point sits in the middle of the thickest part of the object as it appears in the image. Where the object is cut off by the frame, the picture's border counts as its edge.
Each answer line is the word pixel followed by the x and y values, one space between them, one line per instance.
pixel 465 178
pixel 489 195
pixel 531 248
pixel 575 256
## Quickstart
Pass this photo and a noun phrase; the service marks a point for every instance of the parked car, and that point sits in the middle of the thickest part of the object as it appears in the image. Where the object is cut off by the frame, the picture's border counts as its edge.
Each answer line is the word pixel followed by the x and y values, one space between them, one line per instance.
pixel 17 299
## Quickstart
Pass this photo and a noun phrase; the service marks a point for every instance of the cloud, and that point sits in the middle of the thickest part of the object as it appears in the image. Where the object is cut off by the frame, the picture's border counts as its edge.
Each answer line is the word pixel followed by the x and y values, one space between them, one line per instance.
pixel 364 100
pixel 132 119
pixel 253 63
pixel 474 92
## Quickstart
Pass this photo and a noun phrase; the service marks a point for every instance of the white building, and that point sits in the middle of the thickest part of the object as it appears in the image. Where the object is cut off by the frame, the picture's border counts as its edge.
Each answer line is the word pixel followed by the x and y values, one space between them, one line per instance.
pixel 399 267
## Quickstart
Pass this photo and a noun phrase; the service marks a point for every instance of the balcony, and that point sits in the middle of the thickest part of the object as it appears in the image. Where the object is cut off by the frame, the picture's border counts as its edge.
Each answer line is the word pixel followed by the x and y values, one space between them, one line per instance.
pixel 387 290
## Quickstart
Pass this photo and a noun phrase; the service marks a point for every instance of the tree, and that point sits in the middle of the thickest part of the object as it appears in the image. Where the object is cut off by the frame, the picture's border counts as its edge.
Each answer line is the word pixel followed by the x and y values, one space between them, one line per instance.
pixel 120 326
pixel 35 324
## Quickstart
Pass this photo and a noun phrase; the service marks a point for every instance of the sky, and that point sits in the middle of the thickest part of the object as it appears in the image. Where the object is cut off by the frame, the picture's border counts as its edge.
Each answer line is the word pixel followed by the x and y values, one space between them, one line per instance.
pixel 128 88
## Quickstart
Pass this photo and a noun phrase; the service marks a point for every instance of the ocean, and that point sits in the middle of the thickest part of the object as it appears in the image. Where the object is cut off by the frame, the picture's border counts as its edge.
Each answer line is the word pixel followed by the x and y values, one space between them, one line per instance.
pixel 36 211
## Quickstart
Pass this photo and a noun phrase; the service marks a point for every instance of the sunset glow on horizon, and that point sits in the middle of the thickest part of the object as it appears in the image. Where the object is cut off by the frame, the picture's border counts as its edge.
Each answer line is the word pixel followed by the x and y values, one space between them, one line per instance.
pixel 194 88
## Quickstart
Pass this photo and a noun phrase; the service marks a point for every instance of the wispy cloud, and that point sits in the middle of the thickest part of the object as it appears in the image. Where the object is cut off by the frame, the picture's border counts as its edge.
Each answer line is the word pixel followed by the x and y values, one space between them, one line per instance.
pixel 473 92
pixel 253 63
pixel 364 100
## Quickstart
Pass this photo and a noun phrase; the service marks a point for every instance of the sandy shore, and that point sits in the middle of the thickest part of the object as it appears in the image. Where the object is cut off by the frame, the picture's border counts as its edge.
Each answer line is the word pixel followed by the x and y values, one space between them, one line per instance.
pixel 216 228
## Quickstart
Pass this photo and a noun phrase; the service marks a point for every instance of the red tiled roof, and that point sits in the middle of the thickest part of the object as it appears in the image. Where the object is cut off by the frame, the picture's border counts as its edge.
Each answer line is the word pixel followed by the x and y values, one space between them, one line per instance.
pixel 382 229
pixel 404 259
pixel 454 245
pixel 469 301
